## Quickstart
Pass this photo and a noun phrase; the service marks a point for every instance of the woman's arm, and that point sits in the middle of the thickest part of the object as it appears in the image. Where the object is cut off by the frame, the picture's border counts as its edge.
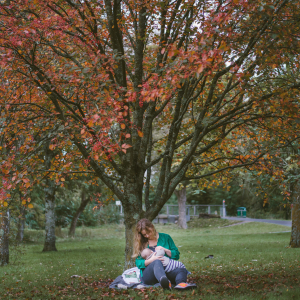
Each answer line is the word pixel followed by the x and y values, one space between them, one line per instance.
pixel 173 249
pixel 153 258
pixel 168 246
pixel 142 263
pixel 167 251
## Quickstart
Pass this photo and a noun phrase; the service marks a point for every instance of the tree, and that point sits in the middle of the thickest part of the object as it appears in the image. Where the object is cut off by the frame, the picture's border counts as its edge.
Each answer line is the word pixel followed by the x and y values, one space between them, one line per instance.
pixel 4 238
pixel 283 168
pixel 49 190
pixel 295 198
pixel 181 196
pixel 21 222
pixel 103 75
pixel 84 201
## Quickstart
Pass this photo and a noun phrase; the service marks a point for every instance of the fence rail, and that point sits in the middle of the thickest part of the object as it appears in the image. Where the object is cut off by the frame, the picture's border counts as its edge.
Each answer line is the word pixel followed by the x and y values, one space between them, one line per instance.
pixel 195 210
pixel 192 210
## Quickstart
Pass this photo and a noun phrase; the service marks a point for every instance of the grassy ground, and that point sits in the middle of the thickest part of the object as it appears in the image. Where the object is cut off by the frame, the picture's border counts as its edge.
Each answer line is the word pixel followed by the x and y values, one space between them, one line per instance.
pixel 251 261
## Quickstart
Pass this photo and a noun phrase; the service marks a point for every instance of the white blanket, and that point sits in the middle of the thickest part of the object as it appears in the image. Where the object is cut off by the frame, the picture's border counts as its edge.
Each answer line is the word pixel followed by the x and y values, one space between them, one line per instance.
pixel 132 275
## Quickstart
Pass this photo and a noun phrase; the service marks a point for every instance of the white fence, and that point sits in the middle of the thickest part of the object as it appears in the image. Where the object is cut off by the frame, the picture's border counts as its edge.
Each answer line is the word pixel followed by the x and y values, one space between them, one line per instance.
pixel 195 210
pixel 169 213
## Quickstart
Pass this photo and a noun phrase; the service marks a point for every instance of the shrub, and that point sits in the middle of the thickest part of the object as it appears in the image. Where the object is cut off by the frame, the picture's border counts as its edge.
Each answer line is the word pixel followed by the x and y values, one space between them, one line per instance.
pixel 109 214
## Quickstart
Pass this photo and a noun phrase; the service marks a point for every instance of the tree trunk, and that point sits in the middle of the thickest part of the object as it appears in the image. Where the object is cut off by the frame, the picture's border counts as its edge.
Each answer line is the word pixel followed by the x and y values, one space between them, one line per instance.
pixel 132 214
pixel 4 238
pixel 295 235
pixel 21 225
pixel 50 218
pixel 49 204
pixel 83 204
pixel 181 197
pixel 129 239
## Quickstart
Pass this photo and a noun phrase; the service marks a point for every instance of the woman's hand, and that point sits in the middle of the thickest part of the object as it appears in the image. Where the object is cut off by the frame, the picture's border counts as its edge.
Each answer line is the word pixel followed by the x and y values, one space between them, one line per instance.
pixel 152 259
pixel 167 251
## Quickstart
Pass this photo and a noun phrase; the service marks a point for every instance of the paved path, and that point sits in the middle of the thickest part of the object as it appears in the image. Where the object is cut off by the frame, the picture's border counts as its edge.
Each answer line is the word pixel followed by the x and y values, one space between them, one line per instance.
pixel 278 222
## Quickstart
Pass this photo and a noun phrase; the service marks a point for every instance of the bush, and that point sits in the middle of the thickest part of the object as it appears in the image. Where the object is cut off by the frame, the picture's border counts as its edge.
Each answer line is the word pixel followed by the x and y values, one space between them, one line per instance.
pixel 35 218
pixel 64 215
pixel 109 214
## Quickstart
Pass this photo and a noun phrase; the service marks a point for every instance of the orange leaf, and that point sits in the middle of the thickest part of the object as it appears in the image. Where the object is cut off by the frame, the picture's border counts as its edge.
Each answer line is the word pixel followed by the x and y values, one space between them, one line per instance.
pixel 62 179
pixel 30 206
pixel 123 126
pixel 140 133
pixel 200 69
pixel 125 146
pixel 5 203
pixel 127 135
pixel 171 53
pixel 24 202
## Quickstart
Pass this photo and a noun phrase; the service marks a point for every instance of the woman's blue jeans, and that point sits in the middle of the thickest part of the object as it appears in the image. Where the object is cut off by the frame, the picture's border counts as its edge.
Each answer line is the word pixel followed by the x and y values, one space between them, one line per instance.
pixel 154 271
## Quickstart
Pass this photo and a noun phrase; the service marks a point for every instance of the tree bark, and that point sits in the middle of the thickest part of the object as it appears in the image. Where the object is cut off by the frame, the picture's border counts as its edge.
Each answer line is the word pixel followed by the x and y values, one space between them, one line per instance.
pixel 49 204
pixel 295 235
pixel 181 197
pixel 21 225
pixel 132 214
pixel 4 238
pixel 129 239
pixel 50 217
pixel 84 201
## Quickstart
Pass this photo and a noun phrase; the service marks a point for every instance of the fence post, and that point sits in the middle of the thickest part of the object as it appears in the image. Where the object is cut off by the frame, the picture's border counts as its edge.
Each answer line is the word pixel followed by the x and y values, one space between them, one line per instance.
pixel 224 209
pixel 167 209
pixel 208 211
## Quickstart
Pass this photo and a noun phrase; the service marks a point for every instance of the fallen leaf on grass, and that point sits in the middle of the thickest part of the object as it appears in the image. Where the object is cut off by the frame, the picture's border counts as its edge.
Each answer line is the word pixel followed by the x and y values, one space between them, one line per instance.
pixel 76 276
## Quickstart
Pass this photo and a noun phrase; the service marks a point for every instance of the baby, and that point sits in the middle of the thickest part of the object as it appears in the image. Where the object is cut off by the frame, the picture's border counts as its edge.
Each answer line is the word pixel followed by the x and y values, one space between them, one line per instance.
pixel 168 263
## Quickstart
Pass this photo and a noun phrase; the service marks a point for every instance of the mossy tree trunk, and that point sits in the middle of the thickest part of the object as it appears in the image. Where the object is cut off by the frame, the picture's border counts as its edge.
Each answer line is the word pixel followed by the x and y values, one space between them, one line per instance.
pixel 181 197
pixel 49 204
pixel 4 238
pixel 21 225
pixel 132 214
pixel 129 241
pixel 295 196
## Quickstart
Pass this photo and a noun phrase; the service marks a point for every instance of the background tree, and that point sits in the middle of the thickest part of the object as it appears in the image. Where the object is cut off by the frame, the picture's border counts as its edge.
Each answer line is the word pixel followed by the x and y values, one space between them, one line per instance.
pixel 181 197
pixel 50 190
pixel 4 237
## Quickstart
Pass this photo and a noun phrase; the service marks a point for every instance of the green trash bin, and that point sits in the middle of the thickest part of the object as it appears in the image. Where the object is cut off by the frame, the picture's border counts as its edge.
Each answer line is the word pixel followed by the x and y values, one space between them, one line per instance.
pixel 242 212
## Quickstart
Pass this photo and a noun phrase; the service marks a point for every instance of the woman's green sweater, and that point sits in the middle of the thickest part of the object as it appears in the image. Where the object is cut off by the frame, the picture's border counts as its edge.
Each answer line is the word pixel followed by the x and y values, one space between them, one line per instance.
pixel 165 241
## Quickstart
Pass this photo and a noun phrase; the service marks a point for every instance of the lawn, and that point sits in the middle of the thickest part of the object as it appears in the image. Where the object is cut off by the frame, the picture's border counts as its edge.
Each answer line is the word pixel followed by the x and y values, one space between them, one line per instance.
pixel 251 261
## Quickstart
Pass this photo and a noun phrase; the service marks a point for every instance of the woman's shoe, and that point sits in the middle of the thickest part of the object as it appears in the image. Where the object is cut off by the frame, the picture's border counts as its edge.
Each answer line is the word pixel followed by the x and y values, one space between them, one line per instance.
pixel 185 286
pixel 165 283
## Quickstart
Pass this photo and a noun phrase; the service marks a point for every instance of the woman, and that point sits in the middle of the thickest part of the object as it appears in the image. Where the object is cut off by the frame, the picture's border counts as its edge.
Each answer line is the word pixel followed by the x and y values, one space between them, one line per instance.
pixel 152 270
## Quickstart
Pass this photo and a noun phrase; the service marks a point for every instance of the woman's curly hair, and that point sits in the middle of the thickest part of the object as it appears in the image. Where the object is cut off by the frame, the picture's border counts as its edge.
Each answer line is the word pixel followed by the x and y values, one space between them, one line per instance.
pixel 140 242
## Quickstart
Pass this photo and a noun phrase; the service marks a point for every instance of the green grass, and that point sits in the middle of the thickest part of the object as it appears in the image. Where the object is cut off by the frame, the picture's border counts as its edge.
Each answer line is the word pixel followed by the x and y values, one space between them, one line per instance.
pixel 251 261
